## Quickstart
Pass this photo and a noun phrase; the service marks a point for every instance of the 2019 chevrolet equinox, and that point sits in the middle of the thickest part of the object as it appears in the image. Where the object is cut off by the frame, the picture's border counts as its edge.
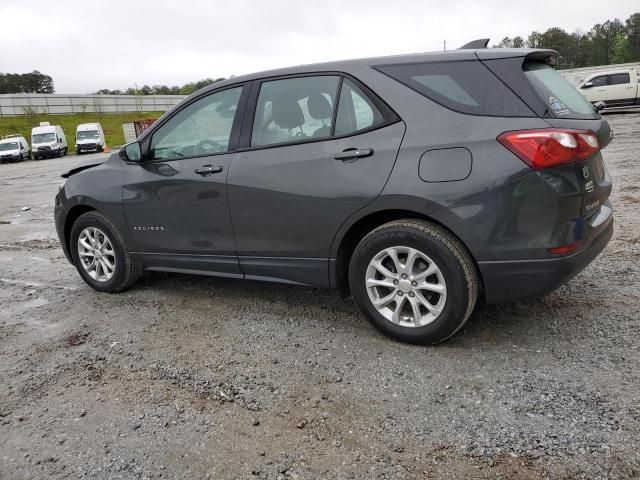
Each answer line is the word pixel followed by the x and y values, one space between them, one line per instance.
pixel 419 183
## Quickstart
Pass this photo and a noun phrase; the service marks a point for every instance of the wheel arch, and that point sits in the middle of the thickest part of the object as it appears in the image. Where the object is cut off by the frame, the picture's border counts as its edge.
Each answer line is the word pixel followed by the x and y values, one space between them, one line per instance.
pixel 74 213
pixel 360 228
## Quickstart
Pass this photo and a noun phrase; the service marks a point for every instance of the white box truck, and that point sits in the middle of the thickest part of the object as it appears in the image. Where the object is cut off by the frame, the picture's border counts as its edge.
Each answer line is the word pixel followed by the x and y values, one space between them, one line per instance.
pixel 89 138
pixel 48 141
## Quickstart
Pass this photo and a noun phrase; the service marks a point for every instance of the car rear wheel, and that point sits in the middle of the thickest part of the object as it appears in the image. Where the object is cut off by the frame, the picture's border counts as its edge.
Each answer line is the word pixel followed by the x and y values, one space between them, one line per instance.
pixel 414 281
pixel 100 255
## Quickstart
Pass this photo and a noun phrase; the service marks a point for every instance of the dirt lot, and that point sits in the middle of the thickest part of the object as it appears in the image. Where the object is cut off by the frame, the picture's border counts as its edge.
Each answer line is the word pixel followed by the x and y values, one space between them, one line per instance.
pixel 187 377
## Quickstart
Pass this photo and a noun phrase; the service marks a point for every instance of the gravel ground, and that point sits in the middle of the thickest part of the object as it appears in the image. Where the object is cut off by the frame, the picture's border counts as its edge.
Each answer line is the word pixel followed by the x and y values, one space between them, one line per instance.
pixel 193 377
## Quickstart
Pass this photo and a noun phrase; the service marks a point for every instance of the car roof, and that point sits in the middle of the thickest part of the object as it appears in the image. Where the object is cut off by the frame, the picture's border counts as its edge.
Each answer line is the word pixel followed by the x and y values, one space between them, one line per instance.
pixel 340 65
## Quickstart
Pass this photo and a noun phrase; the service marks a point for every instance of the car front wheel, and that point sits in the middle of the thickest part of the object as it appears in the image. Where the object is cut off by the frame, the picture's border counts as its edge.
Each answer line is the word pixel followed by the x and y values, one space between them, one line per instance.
pixel 100 255
pixel 414 281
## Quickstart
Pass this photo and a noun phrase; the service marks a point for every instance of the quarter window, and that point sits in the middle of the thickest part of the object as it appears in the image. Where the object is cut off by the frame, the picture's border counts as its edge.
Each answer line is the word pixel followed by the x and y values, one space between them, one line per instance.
pixel 619 79
pixel 355 111
pixel 294 109
pixel 200 129
pixel 463 86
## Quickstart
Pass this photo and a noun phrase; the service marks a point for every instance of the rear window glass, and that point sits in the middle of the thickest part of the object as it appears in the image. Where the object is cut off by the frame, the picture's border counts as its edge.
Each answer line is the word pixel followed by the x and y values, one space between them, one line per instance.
pixel 619 79
pixel 466 87
pixel 562 98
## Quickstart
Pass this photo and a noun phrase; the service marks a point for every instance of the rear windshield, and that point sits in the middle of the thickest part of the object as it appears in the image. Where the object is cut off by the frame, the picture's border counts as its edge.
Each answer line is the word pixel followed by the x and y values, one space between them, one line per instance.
pixel 562 98
pixel 464 86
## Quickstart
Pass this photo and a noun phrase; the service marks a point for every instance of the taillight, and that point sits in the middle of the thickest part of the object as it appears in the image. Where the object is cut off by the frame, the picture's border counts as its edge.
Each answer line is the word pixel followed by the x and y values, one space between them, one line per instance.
pixel 550 147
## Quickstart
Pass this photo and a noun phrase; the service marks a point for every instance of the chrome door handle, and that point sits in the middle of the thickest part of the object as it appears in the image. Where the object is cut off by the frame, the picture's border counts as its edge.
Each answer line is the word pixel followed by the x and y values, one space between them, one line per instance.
pixel 353 153
pixel 208 170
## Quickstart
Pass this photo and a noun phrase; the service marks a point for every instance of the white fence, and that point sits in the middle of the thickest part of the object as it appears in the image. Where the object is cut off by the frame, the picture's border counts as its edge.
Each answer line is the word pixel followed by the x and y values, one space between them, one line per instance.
pixel 28 103
pixel 576 75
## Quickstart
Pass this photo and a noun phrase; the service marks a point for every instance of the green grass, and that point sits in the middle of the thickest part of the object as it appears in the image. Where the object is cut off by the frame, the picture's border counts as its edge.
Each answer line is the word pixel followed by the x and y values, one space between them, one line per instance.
pixel 111 124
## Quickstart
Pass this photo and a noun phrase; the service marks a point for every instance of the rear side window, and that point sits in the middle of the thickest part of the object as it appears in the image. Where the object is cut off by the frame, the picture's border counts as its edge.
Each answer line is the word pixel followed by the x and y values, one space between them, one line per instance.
pixel 562 98
pixel 466 87
pixel 619 79
pixel 294 109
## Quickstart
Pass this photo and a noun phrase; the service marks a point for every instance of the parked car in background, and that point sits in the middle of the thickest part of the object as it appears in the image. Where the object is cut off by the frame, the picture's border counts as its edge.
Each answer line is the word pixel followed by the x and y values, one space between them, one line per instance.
pixel 616 88
pixel 418 183
pixel 89 138
pixel 48 141
pixel 13 148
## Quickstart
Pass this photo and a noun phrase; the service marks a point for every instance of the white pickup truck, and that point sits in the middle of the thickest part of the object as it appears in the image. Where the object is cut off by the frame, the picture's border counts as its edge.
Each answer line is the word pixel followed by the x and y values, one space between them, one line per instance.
pixel 616 88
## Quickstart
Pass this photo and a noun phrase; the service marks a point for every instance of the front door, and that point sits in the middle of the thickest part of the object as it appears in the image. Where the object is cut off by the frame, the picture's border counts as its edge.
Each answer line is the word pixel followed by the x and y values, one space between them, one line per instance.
pixel 175 202
pixel 301 177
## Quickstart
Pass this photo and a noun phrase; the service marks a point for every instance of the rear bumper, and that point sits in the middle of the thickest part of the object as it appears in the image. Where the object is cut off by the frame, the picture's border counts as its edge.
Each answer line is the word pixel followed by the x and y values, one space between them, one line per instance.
pixel 518 279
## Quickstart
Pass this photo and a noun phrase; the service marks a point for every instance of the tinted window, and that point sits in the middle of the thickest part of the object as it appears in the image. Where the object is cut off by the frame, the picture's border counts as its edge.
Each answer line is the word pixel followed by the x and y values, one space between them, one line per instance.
pixel 563 99
pixel 355 110
pixel 467 87
pixel 619 79
pixel 294 109
pixel 202 128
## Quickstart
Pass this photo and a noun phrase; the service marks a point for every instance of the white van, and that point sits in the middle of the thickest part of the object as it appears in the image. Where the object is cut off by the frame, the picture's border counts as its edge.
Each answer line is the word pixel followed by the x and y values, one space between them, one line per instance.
pixel 89 138
pixel 48 141
pixel 13 148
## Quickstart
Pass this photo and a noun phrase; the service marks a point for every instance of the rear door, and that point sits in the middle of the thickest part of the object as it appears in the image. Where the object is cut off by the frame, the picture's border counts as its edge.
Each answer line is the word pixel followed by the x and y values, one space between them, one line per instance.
pixel 620 90
pixel 309 162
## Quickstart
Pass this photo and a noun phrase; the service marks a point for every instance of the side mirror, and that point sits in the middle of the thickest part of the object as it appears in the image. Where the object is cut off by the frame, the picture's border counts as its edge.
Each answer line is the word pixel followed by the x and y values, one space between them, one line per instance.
pixel 587 85
pixel 599 106
pixel 131 152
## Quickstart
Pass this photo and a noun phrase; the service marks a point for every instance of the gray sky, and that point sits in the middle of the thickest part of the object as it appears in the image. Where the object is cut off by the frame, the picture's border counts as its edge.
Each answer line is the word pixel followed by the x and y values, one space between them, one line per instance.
pixel 88 45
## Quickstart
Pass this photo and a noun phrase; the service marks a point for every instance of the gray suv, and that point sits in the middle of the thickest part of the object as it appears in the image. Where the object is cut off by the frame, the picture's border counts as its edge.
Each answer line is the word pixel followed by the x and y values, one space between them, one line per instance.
pixel 418 183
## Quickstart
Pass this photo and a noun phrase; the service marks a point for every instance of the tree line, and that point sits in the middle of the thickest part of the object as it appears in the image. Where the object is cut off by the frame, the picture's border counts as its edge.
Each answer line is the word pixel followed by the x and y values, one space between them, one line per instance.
pixel 34 82
pixel 186 89
pixel 613 41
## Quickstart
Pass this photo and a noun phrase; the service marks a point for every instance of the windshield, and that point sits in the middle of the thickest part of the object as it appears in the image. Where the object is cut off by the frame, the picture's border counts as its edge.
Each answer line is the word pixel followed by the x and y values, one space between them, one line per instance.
pixel 562 98
pixel 8 146
pixel 88 135
pixel 43 137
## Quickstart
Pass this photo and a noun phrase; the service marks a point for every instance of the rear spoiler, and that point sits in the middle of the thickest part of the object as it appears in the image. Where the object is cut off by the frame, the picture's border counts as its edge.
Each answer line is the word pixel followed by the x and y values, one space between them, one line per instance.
pixel 475 44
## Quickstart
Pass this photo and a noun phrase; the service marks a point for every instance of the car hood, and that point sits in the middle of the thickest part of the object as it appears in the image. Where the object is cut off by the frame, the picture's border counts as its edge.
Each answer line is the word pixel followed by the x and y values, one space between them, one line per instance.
pixel 83 166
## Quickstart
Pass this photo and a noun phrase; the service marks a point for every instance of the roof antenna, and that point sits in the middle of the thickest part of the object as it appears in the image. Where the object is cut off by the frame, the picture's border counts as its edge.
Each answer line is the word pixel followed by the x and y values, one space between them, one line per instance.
pixel 475 44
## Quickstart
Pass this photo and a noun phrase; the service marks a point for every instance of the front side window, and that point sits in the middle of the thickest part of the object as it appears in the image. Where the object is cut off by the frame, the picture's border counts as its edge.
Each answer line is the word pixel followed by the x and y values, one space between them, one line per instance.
pixel 355 111
pixel 202 128
pixel 294 109
pixel 619 79
pixel 598 81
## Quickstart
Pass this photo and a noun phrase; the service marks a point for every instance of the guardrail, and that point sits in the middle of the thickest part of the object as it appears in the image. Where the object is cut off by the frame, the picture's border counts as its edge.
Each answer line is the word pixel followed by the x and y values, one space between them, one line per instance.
pixel 29 104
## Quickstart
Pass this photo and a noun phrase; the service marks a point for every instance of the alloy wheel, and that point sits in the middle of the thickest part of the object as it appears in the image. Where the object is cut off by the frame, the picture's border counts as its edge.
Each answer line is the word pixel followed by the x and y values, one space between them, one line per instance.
pixel 96 254
pixel 406 286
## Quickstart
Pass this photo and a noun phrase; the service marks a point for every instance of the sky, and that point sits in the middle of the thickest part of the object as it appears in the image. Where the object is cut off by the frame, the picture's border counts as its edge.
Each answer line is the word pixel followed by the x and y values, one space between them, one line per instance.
pixel 87 45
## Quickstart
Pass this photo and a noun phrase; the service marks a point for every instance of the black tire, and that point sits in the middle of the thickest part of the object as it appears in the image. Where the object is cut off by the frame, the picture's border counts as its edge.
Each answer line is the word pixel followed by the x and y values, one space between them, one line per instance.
pixel 126 270
pixel 35 157
pixel 78 152
pixel 451 257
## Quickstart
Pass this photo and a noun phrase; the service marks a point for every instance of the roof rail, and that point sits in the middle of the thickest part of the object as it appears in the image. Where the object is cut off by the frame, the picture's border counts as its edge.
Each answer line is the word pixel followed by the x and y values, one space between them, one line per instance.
pixel 475 44
pixel 12 135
